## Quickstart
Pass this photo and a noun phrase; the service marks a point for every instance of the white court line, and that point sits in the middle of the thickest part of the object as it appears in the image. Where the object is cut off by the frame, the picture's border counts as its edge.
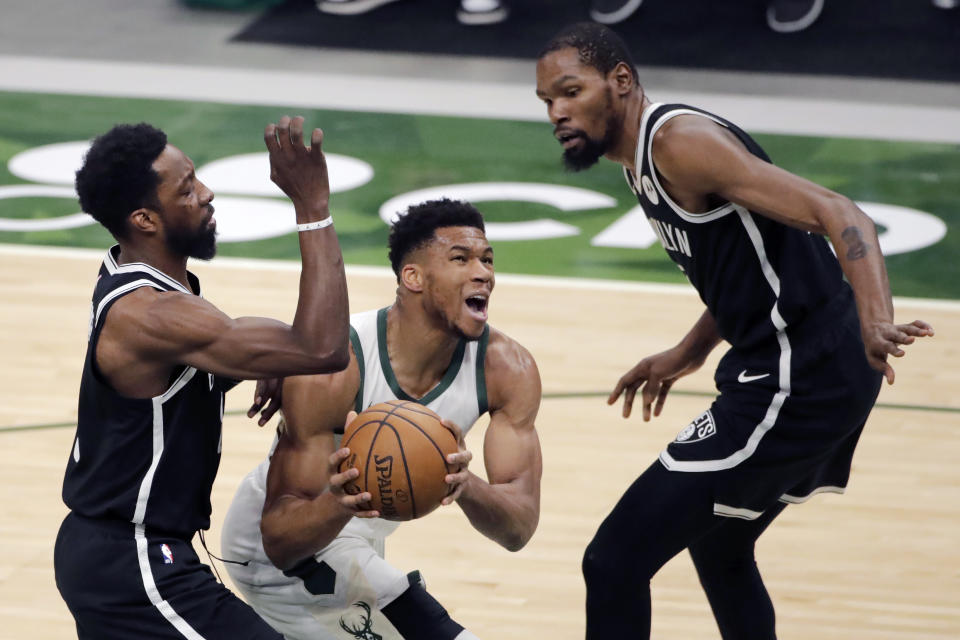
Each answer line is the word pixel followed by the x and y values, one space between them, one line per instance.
pixel 784 115
pixel 551 282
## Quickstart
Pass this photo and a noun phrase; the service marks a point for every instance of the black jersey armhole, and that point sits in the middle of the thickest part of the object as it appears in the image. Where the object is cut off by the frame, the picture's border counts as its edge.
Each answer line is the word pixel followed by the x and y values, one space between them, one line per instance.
pixel 96 324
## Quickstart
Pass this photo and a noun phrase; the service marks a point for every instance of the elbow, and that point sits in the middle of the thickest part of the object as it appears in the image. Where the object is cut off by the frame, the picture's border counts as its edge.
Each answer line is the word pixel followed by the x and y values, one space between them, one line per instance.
pixel 339 359
pixel 280 558
pixel 515 543
pixel 847 212
pixel 332 361
pixel 519 538
pixel 275 549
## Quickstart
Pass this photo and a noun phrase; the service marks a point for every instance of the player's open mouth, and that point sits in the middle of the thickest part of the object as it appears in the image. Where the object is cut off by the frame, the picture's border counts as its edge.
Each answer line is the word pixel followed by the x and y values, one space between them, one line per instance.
pixel 478 306
pixel 567 140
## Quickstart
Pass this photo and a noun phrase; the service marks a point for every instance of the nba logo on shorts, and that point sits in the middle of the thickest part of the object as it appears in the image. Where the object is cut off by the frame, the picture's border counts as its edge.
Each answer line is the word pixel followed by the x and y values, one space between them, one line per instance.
pixel 167 554
pixel 700 429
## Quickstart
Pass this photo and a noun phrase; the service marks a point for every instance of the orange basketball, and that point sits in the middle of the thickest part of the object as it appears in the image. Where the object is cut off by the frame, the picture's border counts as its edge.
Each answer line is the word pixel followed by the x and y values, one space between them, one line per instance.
pixel 400 449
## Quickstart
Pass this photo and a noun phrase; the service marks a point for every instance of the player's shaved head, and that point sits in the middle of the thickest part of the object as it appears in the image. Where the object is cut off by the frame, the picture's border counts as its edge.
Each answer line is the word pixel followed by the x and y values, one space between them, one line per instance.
pixel 416 227
pixel 597 46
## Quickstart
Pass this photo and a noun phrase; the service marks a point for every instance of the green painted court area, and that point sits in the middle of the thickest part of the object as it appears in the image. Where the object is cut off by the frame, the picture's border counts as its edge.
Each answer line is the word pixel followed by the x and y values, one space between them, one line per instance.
pixel 409 152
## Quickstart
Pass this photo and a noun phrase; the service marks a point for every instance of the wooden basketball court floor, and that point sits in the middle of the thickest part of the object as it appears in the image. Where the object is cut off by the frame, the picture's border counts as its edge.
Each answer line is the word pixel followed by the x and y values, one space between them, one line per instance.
pixel 880 562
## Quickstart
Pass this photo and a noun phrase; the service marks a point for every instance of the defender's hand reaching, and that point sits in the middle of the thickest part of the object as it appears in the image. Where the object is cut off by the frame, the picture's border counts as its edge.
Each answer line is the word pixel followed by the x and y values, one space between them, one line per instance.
pixel 461 460
pixel 656 374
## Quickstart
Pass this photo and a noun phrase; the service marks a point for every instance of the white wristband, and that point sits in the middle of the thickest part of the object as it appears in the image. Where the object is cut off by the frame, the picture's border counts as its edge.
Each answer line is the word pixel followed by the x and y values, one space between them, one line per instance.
pixel 319 224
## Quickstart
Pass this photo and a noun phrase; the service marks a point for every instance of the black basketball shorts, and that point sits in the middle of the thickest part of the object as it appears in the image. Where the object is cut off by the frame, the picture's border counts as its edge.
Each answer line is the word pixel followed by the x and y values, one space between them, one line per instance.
pixel 786 422
pixel 121 582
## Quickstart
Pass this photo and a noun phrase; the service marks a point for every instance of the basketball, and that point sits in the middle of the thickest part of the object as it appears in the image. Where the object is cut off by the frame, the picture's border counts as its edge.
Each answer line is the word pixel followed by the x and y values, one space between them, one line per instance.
pixel 400 449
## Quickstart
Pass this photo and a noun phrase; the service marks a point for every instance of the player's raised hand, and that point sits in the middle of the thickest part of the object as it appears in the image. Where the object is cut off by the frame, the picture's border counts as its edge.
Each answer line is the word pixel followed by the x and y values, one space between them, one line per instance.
pixel 299 170
pixel 461 460
pixel 654 375
pixel 882 339
pixel 357 504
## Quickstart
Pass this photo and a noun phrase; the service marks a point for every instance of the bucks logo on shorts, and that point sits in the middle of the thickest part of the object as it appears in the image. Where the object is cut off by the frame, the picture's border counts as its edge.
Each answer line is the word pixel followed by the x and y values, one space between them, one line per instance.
pixel 363 630
pixel 701 428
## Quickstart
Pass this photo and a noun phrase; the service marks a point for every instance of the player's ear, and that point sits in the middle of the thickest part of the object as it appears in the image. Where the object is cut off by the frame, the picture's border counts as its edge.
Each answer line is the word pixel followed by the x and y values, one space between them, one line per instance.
pixel 623 78
pixel 144 220
pixel 411 277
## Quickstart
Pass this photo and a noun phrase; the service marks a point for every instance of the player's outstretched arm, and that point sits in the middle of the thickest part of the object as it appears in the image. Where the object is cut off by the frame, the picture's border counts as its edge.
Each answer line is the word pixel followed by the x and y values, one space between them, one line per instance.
pixel 321 321
pixel 176 328
pixel 506 506
pixel 698 156
pixel 656 374
pixel 303 510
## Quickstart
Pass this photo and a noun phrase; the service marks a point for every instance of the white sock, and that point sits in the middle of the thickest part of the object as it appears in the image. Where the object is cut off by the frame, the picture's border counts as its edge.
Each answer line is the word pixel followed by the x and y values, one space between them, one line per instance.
pixel 466 635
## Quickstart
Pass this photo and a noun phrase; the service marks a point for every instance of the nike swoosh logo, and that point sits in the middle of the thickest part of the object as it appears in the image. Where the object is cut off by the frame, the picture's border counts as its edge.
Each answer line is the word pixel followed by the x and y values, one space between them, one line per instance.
pixel 743 377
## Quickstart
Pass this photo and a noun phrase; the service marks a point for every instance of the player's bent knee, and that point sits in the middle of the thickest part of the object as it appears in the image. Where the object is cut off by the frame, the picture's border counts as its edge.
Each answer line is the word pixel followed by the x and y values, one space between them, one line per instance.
pixel 712 561
pixel 417 614
pixel 602 567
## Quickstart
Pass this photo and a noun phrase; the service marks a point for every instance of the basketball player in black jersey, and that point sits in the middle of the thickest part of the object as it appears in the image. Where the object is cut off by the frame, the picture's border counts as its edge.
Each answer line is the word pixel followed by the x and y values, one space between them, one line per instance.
pixel 159 359
pixel 807 355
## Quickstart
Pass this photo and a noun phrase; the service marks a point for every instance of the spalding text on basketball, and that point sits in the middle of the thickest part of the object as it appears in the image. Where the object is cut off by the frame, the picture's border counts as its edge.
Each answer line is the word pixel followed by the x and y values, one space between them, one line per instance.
pixel 384 468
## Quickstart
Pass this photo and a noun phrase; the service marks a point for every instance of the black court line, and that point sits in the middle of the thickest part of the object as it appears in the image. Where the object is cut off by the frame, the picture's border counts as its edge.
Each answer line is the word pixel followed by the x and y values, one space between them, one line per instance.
pixel 559 395
pixel 712 394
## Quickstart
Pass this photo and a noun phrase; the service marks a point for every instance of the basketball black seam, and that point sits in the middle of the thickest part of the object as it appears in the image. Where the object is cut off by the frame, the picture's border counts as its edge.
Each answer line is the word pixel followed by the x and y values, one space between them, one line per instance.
pixel 416 408
pixel 406 470
pixel 412 407
pixel 366 469
pixel 346 443
pixel 426 435
pixel 401 404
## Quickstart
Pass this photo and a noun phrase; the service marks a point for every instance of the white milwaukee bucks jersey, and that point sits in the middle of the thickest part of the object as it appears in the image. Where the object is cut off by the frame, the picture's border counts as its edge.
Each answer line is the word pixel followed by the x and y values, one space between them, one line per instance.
pixel 460 396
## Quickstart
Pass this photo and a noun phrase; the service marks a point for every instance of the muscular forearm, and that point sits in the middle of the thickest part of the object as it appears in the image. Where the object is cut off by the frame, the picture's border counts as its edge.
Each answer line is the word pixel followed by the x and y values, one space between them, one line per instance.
pixel 505 513
pixel 854 238
pixel 321 321
pixel 296 528
pixel 701 339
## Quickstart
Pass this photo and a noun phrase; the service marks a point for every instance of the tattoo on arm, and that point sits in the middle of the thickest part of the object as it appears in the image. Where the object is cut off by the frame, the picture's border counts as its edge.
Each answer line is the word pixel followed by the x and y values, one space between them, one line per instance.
pixel 856 247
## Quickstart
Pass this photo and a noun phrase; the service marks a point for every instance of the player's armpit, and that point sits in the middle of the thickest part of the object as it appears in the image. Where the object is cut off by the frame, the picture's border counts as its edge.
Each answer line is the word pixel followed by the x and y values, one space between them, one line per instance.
pixel 186 329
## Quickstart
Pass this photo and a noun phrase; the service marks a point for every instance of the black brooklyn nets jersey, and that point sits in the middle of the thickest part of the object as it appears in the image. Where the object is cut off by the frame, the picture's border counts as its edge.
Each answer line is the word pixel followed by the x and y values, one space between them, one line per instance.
pixel 756 276
pixel 147 461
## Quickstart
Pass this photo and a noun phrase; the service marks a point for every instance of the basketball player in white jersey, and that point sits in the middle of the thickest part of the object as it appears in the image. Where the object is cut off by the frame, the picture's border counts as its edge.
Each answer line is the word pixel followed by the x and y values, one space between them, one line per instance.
pixel 312 564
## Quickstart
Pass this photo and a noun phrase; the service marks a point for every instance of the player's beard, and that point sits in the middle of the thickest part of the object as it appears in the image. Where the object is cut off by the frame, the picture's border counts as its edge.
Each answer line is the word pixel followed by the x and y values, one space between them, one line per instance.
pixel 200 243
pixel 584 157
